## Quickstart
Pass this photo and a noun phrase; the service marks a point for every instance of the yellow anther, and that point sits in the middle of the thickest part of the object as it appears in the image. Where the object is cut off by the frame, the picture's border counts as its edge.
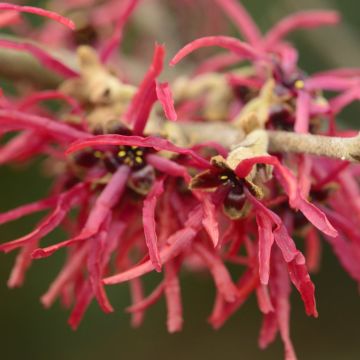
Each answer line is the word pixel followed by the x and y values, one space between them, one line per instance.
pixel 139 160
pixel 128 161
pixel 98 154
pixel 134 147
pixel 224 177
pixel 122 153
pixel 299 84
pixel 139 152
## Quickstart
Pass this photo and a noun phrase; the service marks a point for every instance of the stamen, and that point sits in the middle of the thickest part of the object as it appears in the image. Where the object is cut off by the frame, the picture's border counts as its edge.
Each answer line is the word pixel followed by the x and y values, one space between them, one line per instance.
pixel 299 84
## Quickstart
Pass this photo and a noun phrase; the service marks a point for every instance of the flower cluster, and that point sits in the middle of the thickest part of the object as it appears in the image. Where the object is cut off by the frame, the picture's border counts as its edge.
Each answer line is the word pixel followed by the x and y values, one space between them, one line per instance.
pixel 210 170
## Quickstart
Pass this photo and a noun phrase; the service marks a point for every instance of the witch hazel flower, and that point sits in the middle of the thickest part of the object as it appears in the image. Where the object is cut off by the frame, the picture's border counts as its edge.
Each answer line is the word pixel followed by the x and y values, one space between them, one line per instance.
pixel 223 167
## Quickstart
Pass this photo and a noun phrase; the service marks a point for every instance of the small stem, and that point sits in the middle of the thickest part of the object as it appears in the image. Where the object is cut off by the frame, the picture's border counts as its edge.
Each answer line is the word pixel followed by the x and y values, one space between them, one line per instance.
pixel 335 147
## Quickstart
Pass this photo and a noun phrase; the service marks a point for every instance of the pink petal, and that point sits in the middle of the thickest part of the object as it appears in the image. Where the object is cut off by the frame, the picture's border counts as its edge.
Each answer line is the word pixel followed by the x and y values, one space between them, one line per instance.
pixel 295 260
pixel 302 112
pixel 95 261
pixel 139 109
pixel 82 303
pixel 242 20
pixel 148 301
pixel 42 56
pixel 301 279
pixel 149 223
pixel 289 183
pixel 63 206
pixel 9 18
pixel 168 167
pixel 116 38
pixel 180 242
pixel 266 240
pixel 281 289
pixel 27 209
pixel 150 141
pixel 216 63
pixel 312 250
pixel 236 46
pixel 173 298
pixel 23 261
pixel 222 278
pixel 108 198
pixel 247 283
pixel 330 83
pixel 36 97
pixel 41 12
pixel 269 329
pixel 300 20
pixel 68 272
pixel 51 128
pixel 263 298
pixel 136 291
pixel 164 95
pixel 209 220
pixel 22 147
pixel 338 103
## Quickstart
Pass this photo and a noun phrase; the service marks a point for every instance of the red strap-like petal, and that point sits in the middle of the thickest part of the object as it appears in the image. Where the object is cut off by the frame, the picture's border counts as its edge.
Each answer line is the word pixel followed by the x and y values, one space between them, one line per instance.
pixel 150 141
pixel 238 47
pixel 242 20
pixel 164 95
pixel 46 59
pixel 38 11
pixel 139 109
pixel 300 20
pixel 149 223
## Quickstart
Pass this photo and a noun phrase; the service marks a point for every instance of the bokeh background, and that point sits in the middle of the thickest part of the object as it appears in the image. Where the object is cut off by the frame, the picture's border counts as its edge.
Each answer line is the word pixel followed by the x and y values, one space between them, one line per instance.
pixel 28 331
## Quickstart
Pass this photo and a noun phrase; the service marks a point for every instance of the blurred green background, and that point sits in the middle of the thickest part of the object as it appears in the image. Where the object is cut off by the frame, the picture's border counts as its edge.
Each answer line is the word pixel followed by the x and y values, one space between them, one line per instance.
pixel 29 331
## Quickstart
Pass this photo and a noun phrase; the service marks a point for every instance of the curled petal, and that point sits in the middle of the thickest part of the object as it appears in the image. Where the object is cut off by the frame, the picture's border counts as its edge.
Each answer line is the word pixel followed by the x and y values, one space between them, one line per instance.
pixel 242 20
pixel 41 12
pixel 236 46
pixel 300 20
pixel 20 120
pixel 116 37
pixel 48 95
pixel 338 103
pixel 46 59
